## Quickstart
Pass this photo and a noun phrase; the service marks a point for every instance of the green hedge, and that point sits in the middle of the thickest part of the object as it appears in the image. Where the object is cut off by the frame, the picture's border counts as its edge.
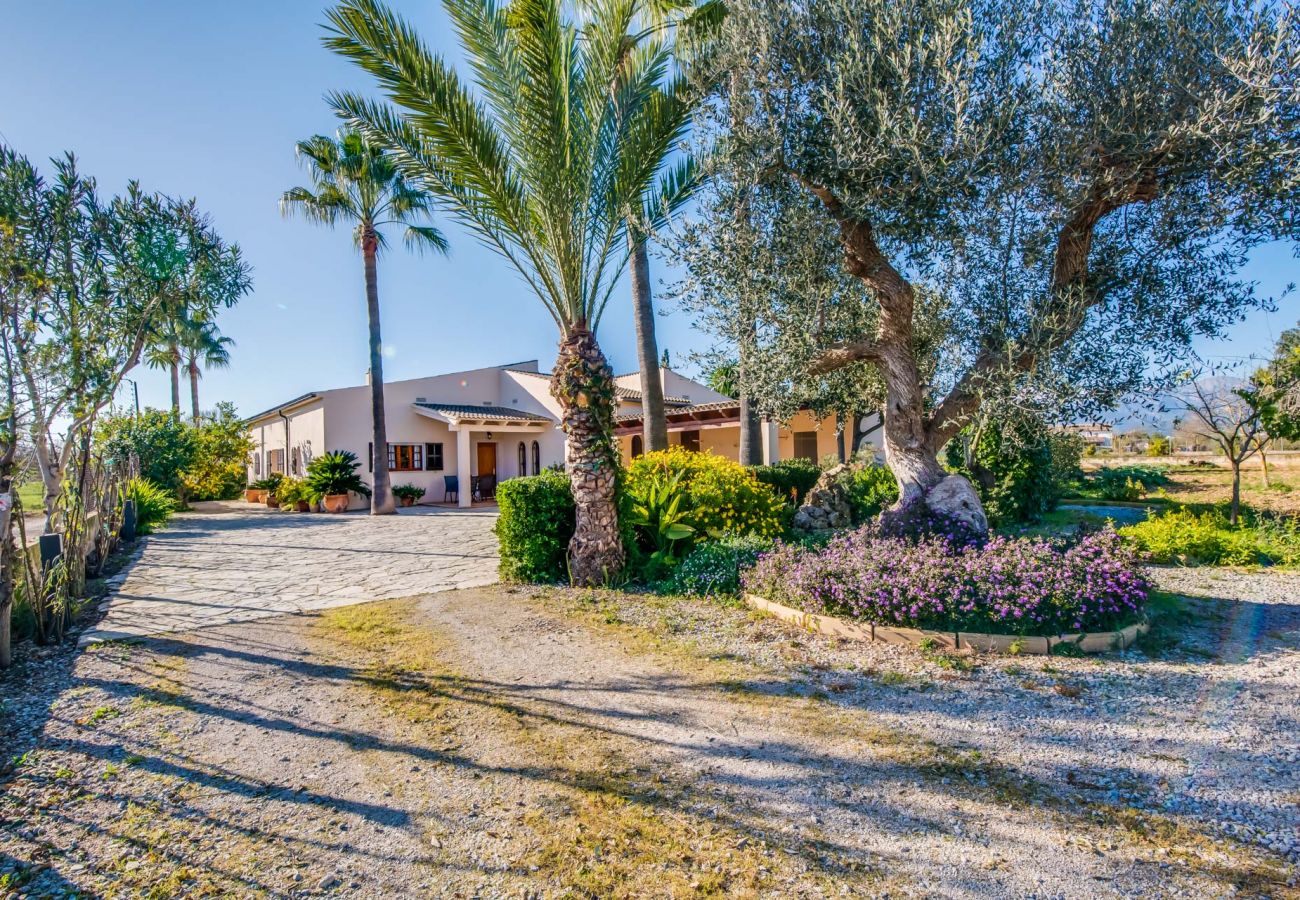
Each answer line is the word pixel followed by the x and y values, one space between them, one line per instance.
pixel 790 478
pixel 534 527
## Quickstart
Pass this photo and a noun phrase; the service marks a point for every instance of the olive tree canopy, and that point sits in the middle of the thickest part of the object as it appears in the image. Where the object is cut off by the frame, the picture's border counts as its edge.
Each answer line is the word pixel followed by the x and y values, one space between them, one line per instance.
pixel 1076 183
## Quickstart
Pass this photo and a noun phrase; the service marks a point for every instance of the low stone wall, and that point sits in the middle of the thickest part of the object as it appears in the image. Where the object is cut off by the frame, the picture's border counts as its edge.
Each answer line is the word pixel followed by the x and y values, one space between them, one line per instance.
pixel 1093 642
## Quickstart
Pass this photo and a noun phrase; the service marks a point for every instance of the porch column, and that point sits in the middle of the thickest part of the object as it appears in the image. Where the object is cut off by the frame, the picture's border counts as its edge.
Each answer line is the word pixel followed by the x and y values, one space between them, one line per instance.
pixel 768 439
pixel 466 495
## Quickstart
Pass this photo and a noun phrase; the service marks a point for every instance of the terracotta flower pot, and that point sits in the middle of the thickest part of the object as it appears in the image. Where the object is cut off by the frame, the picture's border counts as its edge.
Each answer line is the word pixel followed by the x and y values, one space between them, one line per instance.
pixel 304 506
pixel 336 503
pixel 408 501
pixel 253 495
pixel 271 502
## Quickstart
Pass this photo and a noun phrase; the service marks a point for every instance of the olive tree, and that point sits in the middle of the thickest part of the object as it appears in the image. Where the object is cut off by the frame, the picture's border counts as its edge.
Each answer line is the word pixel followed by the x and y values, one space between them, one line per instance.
pixel 1078 181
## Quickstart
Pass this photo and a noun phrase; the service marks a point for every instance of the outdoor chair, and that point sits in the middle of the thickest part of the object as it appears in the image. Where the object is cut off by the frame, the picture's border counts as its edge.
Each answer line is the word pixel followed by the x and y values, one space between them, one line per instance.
pixel 450 488
pixel 487 487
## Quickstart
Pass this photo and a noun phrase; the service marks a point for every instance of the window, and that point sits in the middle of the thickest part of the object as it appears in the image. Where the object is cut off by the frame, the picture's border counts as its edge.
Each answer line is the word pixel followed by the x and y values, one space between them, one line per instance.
pixel 638 445
pixel 433 457
pixel 405 457
pixel 257 464
pixel 537 458
pixel 805 445
pixel 691 440
pixel 523 458
pixel 275 461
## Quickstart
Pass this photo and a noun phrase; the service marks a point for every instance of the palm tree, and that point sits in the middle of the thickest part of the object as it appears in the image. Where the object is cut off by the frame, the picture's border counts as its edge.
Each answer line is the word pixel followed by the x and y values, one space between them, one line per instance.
pixel 204 347
pixel 562 141
pixel 165 353
pixel 691 25
pixel 355 180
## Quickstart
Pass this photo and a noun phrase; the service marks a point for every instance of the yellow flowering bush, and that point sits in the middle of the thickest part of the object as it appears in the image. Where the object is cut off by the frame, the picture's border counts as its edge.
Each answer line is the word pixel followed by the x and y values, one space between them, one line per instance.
pixel 722 497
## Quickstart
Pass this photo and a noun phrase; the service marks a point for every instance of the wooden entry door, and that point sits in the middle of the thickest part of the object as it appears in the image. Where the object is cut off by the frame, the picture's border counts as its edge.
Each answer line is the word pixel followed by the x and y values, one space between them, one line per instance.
pixel 487 459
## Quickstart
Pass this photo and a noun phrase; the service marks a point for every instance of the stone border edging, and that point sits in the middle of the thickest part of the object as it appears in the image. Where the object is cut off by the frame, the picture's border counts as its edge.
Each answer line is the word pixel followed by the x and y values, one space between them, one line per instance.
pixel 1092 642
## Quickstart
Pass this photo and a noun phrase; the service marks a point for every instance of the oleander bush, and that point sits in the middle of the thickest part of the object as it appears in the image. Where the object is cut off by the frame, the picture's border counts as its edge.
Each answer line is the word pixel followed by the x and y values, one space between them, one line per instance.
pixel 1009 586
pixel 154 505
pixel 719 497
pixel 715 568
pixel 534 527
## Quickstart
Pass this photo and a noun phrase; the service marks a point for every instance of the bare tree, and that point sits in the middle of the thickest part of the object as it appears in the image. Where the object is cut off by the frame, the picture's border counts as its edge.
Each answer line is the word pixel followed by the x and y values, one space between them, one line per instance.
pixel 1221 411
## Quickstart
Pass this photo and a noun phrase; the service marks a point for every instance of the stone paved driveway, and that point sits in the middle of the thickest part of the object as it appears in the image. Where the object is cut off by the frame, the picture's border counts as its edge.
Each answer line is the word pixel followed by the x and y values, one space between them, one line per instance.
pixel 235 562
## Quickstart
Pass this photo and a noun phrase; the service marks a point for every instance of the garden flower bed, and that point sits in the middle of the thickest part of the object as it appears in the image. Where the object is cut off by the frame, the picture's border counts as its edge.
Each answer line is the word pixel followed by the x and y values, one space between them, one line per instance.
pixel 1027 593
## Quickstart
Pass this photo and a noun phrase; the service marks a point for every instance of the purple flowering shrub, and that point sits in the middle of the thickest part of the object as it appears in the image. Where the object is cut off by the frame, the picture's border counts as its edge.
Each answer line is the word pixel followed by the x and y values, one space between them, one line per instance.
pixel 1008 586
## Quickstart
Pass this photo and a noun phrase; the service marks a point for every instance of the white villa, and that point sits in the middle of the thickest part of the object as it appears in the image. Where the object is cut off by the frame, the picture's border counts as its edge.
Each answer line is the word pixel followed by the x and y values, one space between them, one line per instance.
pixel 458 435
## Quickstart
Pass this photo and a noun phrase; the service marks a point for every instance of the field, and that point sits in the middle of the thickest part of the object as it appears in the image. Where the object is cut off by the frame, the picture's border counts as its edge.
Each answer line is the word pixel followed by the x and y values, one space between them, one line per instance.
pixel 1201 484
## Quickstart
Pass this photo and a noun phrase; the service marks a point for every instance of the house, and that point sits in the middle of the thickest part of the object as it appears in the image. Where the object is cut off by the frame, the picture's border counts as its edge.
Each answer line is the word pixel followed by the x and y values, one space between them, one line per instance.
pixel 470 430
pixel 1094 434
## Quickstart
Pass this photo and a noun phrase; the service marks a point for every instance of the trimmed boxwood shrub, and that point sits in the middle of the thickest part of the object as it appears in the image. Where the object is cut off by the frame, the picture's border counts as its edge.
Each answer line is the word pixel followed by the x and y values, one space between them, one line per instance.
pixel 534 527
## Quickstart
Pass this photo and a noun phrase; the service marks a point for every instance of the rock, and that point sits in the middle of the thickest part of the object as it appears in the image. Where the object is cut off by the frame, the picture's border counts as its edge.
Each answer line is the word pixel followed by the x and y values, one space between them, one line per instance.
pixel 955 497
pixel 329 881
pixel 826 506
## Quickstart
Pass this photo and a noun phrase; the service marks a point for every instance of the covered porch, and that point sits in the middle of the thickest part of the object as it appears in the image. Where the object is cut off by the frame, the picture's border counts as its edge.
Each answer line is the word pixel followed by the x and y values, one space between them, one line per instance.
pixel 481 434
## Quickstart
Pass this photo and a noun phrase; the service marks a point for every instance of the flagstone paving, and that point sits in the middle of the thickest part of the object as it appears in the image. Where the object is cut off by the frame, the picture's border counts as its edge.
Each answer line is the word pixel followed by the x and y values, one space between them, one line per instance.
pixel 237 562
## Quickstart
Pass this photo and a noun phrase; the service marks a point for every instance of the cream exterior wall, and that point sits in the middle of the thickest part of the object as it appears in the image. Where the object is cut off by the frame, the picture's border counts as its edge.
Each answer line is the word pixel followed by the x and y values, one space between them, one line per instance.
pixel 724 440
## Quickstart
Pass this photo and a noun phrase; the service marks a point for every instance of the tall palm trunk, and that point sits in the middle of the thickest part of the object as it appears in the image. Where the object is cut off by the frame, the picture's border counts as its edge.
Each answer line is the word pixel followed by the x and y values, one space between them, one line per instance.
pixel 174 369
pixel 584 386
pixel 381 498
pixel 654 423
pixel 194 388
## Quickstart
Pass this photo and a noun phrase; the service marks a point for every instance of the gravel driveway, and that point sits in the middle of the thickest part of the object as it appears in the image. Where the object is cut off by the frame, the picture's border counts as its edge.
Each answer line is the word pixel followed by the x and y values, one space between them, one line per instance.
pixel 236 562
pixel 505 742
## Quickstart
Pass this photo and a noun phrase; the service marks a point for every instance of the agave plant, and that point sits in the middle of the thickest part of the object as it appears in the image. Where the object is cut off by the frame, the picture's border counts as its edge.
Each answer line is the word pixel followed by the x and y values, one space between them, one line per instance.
pixel 561 140
pixel 660 516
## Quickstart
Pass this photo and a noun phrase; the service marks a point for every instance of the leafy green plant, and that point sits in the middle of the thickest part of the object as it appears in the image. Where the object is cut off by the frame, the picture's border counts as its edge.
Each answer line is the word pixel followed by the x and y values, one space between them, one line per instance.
pixel 714 568
pixel 870 490
pixel 721 496
pixel 336 473
pixel 534 528
pixel 269 483
pixel 153 505
pixel 659 513
pixel 1018 465
pixel 412 491
pixel 292 491
pixel 790 478
pixel 163 445
pixel 1185 535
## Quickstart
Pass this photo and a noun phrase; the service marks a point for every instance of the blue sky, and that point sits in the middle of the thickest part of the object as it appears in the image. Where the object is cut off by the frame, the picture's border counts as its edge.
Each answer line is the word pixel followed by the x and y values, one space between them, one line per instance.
pixel 207 100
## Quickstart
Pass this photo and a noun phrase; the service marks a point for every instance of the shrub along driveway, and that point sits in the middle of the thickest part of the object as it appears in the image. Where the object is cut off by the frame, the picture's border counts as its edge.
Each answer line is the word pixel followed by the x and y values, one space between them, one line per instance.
pixel 236 562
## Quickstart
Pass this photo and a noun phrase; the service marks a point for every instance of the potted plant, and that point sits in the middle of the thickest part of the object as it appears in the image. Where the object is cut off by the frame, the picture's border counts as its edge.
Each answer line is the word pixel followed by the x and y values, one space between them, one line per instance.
pixel 257 491
pixel 271 484
pixel 293 494
pixel 332 476
pixel 408 493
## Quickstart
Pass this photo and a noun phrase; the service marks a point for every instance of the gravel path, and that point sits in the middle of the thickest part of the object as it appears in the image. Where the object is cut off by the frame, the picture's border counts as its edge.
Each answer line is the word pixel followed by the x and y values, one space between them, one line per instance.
pixel 503 742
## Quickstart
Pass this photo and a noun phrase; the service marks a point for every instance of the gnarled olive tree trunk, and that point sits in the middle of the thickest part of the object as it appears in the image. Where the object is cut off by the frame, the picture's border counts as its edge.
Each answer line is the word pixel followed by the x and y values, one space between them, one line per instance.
pixel 584 386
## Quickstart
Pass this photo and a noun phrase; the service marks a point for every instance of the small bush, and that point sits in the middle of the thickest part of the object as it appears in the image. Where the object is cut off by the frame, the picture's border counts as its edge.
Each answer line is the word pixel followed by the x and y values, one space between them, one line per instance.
pixel 871 490
pixel 1009 586
pixel 721 497
pixel 404 491
pixel 292 491
pixel 1123 482
pixel 153 505
pixel 715 568
pixel 534 528
pixel 790 478
pixel 1206 537
pixel 269 483
pixel 1018 465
